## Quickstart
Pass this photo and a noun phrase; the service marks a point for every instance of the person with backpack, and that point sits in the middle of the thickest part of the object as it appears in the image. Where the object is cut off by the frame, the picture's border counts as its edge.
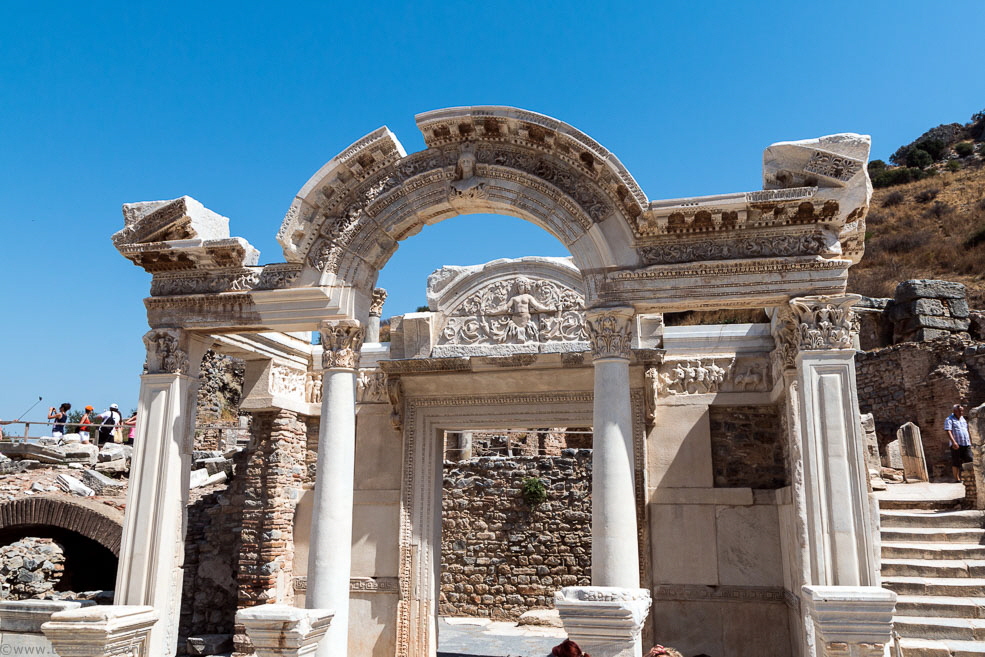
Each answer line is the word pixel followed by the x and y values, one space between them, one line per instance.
pixel 110 419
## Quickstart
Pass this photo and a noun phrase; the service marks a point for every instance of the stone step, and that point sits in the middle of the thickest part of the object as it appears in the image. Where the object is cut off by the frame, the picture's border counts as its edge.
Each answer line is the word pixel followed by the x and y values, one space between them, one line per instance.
pixel 933 534
pixel 927 505
pixel 920 627
pixel 933 568
pixel 942 586
pixel 939 605
pixel 937 648
pixel 907 550
pixel 935 519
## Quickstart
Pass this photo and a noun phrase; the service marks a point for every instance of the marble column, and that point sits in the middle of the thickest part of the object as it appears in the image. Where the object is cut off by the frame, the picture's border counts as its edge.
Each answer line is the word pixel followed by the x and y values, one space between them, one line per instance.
pixel 815 340
pixel 615 550
pixel 851 621
pixel 375 312
pixel 330 550
pixel 152 549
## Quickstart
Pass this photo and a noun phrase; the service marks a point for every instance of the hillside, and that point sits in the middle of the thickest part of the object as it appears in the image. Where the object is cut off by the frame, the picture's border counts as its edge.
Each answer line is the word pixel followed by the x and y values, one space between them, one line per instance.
pixel 930 228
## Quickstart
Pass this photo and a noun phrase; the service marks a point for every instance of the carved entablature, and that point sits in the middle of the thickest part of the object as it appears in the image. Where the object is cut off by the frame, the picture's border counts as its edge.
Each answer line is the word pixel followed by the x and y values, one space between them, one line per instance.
pixel 165 354
pixel 692 376
pixel 180 235
pixel 813 324
pixel 506 307
pixel 341 340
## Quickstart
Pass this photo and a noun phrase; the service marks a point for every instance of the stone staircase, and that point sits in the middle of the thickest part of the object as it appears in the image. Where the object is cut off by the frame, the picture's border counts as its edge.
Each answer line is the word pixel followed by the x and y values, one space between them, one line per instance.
pixel 933 557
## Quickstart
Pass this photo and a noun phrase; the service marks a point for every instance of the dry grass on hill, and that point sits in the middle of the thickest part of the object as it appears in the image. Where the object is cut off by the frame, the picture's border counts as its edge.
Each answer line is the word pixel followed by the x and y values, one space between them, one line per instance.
pixel 932 228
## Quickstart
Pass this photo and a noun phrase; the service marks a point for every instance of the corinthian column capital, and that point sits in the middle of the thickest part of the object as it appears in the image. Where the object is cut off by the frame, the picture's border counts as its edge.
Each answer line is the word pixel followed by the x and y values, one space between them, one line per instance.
pixel 376 305
pixel 341 340
pixel 813 324
pixel 610 331
pixel 166 352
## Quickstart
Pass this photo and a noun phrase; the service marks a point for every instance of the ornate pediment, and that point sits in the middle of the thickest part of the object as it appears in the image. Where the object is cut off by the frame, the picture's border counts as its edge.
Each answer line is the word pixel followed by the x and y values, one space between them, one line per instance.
pixel 530 305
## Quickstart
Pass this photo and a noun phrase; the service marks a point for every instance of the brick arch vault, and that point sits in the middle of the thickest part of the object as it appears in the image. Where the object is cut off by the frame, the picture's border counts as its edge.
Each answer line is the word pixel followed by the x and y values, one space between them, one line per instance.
pixel 93 520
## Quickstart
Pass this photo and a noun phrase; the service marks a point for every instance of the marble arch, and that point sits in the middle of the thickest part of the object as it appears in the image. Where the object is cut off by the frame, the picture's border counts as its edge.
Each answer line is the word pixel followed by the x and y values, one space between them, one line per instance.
pixel 786 247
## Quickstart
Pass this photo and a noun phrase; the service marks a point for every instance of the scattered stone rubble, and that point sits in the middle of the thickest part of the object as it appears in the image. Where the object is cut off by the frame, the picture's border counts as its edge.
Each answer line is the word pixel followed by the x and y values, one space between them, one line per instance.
pixel 30 568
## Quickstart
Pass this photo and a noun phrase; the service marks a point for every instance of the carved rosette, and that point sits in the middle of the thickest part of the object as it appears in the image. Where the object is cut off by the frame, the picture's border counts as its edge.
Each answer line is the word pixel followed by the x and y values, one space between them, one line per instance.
pixel 376 306
pixel 341 340
pixel 164 352
pixel 610 332
pixel 814 324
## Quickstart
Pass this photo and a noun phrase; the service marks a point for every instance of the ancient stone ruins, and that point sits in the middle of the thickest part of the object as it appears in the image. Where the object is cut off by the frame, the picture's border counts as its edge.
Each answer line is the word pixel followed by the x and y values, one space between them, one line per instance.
pixel 729 508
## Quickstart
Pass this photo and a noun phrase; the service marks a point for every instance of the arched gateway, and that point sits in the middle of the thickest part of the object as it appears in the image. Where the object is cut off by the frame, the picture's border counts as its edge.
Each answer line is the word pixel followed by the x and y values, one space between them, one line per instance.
pixel 786 248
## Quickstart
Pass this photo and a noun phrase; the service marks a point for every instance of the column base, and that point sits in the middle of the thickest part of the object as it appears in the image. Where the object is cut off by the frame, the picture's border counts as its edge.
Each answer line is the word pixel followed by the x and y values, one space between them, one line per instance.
pixel 851 621
pixel 284 631
pixel 102 631
pixel 604 621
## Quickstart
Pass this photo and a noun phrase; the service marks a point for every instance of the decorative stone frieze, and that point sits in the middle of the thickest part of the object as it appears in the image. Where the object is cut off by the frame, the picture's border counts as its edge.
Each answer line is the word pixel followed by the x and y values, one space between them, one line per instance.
pixel 610 332
pixel 376 305
pixel 692 376
pixel 288 381
pixel 371 387
pixel 102 631
pixel 604 621
pixel 312 387
pixel 395 394
pixel 165 354
pixel 341 340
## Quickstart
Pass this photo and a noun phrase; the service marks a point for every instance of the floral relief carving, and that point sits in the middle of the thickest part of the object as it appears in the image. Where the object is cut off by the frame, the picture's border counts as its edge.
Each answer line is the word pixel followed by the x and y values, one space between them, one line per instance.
pixel 341 340
pixel 610 332
pixel 517 311
pixel 164 352
pixel 824 322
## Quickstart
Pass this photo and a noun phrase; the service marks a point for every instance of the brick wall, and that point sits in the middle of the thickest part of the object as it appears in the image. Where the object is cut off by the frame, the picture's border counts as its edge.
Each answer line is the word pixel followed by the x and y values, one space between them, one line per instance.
pixel 746 447
pixel 500 557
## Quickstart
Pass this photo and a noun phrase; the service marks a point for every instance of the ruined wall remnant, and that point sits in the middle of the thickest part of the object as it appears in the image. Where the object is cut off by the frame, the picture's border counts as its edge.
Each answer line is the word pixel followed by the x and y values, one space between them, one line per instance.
pixel 500 557
pixel 919 382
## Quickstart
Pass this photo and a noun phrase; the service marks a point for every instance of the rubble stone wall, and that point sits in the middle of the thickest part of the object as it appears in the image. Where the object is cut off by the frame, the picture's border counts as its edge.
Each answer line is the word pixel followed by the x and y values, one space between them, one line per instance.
pixel 746 449
pixel 919 382
pixel 501 557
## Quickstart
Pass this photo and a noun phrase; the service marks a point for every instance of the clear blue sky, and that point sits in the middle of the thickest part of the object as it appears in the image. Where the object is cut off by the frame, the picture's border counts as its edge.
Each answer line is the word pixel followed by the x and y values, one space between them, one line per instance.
pixel 238 104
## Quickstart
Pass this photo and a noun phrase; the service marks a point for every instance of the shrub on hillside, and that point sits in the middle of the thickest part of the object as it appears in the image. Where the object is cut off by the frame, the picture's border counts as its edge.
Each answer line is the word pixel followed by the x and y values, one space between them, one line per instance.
pixel 964 148
pixel 927 195
pixel 953 165
pixel 917 157
pixel 875 166
pixel 893 198
pixel 896 176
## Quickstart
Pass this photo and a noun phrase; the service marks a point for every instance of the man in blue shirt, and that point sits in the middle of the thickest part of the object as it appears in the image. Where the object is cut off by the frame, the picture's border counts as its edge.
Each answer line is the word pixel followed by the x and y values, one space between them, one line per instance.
pixel 956 426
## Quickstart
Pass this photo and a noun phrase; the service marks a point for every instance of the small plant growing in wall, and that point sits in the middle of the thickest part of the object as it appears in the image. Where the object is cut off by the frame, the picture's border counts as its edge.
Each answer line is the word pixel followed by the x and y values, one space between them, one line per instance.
pixel 534 492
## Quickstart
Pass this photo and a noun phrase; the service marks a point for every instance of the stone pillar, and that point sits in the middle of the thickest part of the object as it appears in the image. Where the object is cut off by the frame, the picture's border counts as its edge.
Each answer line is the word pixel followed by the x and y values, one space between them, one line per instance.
pixel 284 631
pixel 103 631
pixel 814 342
pixel 274 479
pixel 375 312
pixel 851 621
pixel 330 549
pixel 976 428
pixel 464 446
pixel 615 550
pixel 604 621
pixel 152 549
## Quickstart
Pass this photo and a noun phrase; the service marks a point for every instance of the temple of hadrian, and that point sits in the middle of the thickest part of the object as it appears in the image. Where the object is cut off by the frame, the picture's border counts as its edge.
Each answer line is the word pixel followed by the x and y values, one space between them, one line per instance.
pixel 780 561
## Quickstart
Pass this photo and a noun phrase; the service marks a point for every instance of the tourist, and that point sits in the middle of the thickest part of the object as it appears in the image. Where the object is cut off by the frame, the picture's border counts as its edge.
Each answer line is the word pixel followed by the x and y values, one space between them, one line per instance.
pixel 84 423
pixel 60 416
pixel 956 426
pixel 568 648
pixel 110 418
pixel 132 423
pixel 663 651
